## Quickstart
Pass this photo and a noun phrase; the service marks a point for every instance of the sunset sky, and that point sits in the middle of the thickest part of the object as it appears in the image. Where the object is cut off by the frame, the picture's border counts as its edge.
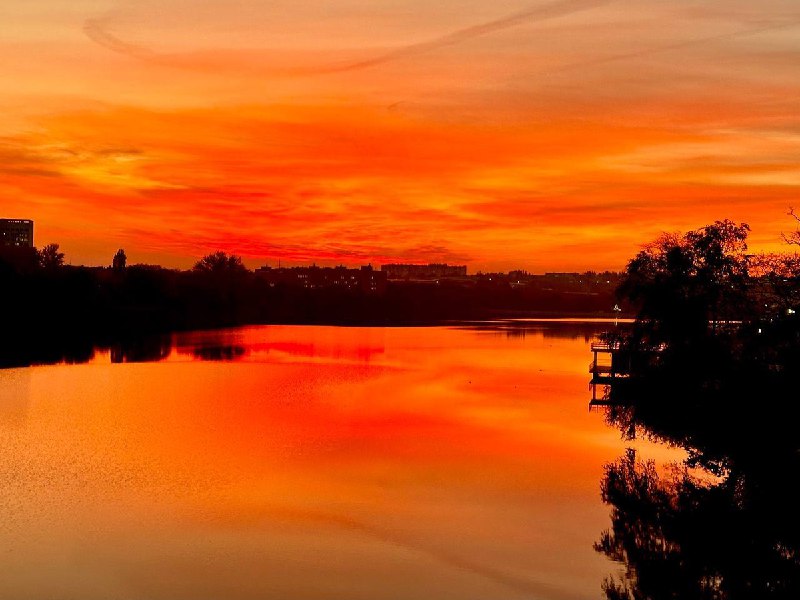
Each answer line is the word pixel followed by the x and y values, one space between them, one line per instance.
pixel 536 134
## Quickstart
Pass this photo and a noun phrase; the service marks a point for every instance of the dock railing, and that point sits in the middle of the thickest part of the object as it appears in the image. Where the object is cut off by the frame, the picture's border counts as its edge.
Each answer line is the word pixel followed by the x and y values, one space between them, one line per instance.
pixel 614 363
pixel 604 373
pixel 605 346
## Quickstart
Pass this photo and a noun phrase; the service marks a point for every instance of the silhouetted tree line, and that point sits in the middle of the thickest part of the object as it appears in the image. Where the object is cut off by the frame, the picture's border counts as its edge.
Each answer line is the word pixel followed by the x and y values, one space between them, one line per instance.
pixel 713 363
pixel 45 304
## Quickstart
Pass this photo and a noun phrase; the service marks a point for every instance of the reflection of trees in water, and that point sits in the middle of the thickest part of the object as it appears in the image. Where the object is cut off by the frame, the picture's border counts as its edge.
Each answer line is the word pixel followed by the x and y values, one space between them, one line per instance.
pixel 27 352
pixel 681 537
pixel 146 349
pixel 584 331
pixel 724 392
pixel 219 353
pixel 151 348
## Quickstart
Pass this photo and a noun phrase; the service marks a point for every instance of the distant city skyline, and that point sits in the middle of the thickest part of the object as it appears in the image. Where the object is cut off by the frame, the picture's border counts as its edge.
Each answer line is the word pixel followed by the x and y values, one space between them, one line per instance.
pixel 308 259
pixel 19 232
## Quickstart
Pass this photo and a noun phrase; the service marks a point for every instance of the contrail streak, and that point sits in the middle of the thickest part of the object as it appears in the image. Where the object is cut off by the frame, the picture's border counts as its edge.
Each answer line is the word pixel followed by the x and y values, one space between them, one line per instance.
pixel 539 13
pixel 669 47
pixel 96 31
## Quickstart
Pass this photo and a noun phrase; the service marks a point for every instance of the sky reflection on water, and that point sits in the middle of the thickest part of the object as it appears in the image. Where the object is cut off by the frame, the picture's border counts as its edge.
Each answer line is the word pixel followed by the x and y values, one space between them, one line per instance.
pixel 310 462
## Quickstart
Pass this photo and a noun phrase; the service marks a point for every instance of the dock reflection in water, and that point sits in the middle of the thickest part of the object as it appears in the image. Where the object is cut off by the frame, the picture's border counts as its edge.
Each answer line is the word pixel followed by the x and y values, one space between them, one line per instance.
pixel 309 462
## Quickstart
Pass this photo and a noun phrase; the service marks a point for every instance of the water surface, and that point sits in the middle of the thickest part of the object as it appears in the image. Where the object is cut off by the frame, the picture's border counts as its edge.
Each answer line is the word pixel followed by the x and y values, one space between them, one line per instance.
pixel 308 463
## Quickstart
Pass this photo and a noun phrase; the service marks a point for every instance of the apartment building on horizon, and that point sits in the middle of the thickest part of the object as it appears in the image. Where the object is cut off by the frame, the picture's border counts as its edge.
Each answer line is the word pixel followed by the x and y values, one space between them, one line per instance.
pixel 431 271
pixel 365 279
pixel 16 232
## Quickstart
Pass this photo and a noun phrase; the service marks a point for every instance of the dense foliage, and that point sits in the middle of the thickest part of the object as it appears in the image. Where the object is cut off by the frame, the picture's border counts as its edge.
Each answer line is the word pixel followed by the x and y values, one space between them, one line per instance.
pixel 712 362
pixel 50 311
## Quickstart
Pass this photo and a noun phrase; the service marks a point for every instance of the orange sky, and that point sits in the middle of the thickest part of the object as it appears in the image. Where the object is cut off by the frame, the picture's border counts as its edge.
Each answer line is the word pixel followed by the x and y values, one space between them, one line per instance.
pixel 546 135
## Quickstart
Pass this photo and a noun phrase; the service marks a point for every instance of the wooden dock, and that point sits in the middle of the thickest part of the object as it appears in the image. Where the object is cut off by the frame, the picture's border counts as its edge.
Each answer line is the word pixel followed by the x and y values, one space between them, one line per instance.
pixel 609 365
pixel 614 365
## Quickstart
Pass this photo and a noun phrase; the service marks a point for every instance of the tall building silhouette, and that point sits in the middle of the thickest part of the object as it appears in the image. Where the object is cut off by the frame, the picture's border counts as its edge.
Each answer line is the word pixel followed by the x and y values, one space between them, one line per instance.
pixel 16 232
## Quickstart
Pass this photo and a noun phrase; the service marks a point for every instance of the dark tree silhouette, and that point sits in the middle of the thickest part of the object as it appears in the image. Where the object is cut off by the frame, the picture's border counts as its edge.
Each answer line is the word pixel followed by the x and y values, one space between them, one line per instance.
pixel 50 257
pixel 120 260
pixel 793 238
pixel 53 309
pixel 18 259
pixel 726 395
pixel 220 262
pixel 681 283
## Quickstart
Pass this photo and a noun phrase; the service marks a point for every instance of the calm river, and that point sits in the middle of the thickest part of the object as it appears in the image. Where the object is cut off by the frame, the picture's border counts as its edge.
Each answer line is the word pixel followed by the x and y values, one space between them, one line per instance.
pixel 293 462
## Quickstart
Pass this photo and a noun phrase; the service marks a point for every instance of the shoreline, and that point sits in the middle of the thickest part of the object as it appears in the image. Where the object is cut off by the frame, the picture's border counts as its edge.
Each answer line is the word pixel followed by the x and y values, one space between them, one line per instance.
pixel 74 348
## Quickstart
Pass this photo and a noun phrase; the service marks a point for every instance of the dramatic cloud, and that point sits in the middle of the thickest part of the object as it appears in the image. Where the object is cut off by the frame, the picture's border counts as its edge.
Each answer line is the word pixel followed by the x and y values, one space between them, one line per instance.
pixel 560 135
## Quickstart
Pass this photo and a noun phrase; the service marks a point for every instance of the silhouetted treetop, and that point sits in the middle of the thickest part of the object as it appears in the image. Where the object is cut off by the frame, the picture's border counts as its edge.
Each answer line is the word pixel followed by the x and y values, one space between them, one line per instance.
pixel 715 252
pixel 50 257
pixel 120 260
pixel 683 282
pixel 220 262
pixel 793 238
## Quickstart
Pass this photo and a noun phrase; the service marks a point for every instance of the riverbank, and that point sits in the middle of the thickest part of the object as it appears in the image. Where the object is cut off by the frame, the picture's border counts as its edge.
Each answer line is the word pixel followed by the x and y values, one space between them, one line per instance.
pixel 68 307
pixel 133 346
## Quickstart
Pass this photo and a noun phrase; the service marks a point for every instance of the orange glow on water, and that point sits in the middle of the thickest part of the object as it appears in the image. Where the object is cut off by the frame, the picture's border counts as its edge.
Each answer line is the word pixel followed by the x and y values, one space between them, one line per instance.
pixel 359 463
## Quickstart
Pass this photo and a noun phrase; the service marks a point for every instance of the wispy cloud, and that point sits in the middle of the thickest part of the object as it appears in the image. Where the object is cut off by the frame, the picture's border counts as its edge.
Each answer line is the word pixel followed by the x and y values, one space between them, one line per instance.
pixel 530 15
pixel 681 45
pixel 98 30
